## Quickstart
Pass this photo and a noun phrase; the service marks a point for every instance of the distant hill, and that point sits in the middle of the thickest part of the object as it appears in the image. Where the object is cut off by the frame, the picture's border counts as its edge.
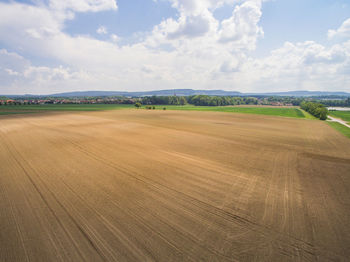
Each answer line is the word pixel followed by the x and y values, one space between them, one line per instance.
pixel 307 93
pixel 188 92
pixel 169 92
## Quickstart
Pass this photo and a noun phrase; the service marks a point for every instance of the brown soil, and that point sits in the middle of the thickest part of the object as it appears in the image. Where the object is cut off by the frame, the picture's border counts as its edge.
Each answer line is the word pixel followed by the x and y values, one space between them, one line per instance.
pixel 137 185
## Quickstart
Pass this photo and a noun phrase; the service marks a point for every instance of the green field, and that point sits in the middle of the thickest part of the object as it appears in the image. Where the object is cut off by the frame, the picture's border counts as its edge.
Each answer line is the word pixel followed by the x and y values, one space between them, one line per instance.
pixel 286 112
pixel 24 109
pixel 278 111
pixel 344 115
pixel 341 128
pixel 308 115
pixel 64 107
pixel 14 112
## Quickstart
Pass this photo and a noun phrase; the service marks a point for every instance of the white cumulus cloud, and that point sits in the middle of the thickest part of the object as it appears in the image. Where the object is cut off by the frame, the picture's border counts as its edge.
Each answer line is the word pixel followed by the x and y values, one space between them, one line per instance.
pixel 83 5
pixel 242 29
pixel 342 31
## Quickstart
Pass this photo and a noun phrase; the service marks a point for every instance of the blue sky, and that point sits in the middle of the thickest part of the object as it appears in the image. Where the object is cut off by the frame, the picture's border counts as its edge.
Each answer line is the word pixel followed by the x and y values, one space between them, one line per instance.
pixel 301 20
pixel 49 46
pixel 130 18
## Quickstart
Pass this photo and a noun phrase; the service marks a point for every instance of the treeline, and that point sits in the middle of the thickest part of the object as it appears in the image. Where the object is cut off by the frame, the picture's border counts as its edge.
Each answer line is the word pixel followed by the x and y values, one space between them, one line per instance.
pixel 203 100
pixel 287 100
pixel 316 109
pixel 164 100
pixel 338 102
pixel 199 100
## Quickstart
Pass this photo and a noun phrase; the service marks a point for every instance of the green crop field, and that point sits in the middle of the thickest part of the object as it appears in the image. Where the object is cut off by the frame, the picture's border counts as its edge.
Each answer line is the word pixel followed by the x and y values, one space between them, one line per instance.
pixel 341 128
pixel 20 109
pixel 278 111
pixel 307 115
pixel 14 112
pixel 344 115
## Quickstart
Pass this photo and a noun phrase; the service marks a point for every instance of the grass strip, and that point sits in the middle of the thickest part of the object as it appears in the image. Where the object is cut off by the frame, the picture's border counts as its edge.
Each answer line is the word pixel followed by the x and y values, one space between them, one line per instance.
pixel 341 128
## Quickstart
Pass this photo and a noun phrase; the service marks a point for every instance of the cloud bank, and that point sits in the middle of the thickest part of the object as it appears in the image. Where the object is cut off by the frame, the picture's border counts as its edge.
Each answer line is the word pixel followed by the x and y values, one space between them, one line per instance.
pixel 193 50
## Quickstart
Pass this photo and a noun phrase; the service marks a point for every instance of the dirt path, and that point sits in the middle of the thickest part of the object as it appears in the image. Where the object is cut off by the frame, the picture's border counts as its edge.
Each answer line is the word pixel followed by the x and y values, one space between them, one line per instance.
pixel 137 185
pixel 340 121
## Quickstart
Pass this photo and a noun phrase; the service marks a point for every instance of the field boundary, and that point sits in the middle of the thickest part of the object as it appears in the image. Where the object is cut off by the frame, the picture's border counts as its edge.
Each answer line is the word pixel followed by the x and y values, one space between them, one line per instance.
pixel 340 128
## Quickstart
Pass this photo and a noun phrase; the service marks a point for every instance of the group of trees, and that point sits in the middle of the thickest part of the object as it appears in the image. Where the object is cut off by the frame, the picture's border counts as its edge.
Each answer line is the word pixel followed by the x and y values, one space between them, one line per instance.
pixel 138 105
pixel 204 100
pixel 164 100
pixel 199 100
pixel 316 109
pixel 287 100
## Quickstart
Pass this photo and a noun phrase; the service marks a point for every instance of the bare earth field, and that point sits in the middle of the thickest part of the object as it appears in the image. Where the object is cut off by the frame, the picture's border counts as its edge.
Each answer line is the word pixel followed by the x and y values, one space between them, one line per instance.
pixel 137 185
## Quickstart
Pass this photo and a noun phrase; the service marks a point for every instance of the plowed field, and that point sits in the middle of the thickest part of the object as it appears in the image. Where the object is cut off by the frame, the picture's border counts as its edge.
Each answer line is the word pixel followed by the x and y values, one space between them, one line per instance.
pixel 137 185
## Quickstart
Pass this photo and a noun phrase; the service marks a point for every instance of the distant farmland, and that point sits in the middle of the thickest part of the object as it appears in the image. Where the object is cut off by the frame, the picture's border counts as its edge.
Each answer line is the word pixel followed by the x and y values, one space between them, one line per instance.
pixel 344 115
pixel 155 185
pixel 261 110
pixel 62 107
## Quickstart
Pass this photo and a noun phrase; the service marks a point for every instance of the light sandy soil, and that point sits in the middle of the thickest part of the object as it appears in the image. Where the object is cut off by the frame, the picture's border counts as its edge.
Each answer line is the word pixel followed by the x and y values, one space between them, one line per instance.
pixel 137 185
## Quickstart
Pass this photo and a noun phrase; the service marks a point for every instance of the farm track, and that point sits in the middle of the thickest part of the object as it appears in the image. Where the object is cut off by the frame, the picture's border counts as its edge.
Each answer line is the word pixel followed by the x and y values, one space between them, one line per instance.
pixel 137 185
pixel 340 121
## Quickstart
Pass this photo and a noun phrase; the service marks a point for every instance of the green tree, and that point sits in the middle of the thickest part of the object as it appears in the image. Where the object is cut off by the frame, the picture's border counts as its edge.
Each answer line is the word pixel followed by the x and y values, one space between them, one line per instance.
pixel 323 113
pixel 316 109
pixel 183 100
pixel 138 105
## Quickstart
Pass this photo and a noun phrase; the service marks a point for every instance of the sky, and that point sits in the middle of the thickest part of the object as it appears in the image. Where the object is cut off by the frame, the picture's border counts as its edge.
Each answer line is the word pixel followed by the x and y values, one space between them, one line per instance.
pixel 54 46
